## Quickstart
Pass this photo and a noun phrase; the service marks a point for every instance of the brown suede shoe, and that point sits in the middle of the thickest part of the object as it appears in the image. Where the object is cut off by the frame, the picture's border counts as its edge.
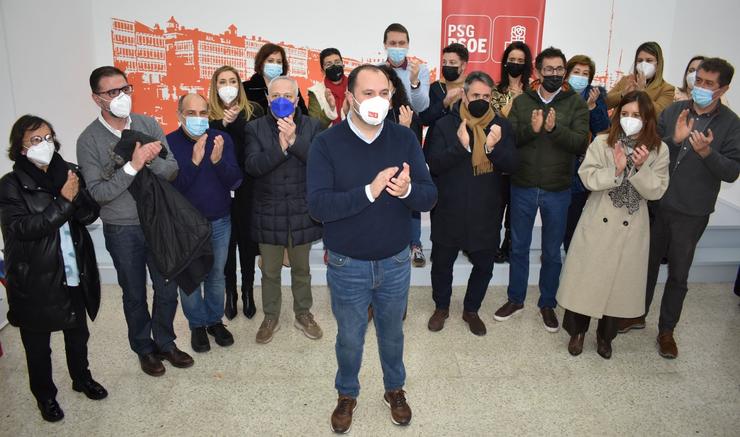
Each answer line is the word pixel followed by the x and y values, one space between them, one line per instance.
pixel 474 322
pixel 507 311
pixel 400 410
pixel 437 321
pixel 667 347
pixel 603 347
pixel 626 325
pixel 341 418
pixel 575 345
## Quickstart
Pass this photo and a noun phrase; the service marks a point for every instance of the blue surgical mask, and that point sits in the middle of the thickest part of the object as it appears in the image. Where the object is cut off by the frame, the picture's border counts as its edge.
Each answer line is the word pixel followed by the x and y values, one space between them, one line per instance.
pixel 282 107
pixel 196 126
pixel 578 83
pixel 272 71
pixel 397 54
pixel 702 96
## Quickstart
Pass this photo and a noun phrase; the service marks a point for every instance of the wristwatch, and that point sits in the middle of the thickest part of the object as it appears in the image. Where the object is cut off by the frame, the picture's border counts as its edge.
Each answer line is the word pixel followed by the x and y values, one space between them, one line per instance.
pixel 418 84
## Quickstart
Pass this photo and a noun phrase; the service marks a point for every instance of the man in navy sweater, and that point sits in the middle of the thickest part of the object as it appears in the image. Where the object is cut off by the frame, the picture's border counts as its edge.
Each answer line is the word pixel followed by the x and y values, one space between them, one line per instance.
pixel 365 178
pixel 208 173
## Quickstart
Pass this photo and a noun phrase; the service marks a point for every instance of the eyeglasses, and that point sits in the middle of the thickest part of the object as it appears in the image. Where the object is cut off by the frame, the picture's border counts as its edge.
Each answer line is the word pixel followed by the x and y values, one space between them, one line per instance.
pixel 128 89
pixel 37 139
pixel 549 70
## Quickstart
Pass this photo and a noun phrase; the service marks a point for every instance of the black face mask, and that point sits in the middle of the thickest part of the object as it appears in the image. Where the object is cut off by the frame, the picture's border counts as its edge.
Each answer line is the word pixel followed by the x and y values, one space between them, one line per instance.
pixel 478 108
pixel 450 73
pixel 552 83
pixel 335 72
pixel 514 70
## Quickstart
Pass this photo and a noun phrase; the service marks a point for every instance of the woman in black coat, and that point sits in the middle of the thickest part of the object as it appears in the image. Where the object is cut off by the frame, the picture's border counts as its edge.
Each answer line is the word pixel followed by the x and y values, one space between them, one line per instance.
pixel 230 110
pixel 51 270
pixel 269 63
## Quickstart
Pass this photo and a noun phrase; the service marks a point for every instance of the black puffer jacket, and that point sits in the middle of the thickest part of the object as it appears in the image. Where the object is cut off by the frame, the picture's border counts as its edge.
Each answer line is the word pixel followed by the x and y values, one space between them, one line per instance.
pixel 31 217
pixel 280 182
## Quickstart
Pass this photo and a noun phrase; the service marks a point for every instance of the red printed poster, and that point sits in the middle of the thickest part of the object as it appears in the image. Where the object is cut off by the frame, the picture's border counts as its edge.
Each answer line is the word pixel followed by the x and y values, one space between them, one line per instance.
pixel 486 28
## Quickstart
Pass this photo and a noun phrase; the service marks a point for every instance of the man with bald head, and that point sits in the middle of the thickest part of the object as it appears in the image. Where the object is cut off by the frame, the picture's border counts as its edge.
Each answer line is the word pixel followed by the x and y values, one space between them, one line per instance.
pixel 277 149
pixel 208 173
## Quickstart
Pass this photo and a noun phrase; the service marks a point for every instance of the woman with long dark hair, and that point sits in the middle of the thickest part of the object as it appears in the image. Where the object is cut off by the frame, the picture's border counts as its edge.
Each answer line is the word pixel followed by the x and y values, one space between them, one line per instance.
pixel 605 273
pixel 51 270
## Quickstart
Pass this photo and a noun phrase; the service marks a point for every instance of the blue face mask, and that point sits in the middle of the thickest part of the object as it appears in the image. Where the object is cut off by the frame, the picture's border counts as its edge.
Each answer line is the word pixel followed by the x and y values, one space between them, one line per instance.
pixel 578 83
pixel 397 54
pixel 272 71
pixel 702 96
pixel 196 125
pixel 282 107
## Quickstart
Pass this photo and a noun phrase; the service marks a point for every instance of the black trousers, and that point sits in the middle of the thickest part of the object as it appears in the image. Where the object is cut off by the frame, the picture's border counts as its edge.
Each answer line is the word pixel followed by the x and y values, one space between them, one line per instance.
pixel 672 235
pixel 577 202
pixel 248 250
pixel 575 323
pixel 38 352
pixel 443 262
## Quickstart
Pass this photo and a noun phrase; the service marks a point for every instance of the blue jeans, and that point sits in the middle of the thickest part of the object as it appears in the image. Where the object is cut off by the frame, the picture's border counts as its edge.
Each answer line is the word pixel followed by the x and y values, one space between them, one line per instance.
pixel 553 208
pixel 131 257
pixel 206 308
pixel 354 285
pixel 415 229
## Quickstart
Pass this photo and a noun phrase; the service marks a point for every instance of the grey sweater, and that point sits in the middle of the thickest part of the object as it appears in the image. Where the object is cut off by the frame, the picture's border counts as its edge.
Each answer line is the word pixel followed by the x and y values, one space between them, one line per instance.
pixel 108 185
pixel 695 181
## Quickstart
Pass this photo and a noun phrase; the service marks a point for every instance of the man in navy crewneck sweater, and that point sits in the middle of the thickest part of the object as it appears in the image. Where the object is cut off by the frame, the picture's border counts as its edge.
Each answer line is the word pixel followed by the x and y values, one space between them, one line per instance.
pixel 208 173
pixel 365 178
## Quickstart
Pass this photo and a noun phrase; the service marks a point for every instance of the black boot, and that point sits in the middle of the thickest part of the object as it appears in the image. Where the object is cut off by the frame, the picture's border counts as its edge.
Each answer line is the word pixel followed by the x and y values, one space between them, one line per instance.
pixel 248 302
pixel 230 304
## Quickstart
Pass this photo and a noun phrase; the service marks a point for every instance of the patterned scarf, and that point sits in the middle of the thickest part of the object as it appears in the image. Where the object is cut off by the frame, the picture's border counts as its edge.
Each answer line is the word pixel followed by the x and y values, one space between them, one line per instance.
pixel 625 195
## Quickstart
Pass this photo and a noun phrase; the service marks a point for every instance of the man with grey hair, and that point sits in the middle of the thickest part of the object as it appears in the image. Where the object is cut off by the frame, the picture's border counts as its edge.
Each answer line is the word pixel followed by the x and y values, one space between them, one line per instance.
pixel 277 149
pixel 468 150
pixel 208 173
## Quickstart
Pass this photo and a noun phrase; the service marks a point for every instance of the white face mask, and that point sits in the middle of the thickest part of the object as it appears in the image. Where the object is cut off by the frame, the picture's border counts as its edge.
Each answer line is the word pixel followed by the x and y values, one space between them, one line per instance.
pixel 228 93
pixel 374 110
pixel 120 106
pixel 691 79
pixel 646 68
pixel 630 125
pixel 41 153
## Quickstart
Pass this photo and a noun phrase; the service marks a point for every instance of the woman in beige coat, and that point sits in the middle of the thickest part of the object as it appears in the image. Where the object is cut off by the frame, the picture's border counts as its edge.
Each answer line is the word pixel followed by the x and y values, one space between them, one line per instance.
pixel 605 271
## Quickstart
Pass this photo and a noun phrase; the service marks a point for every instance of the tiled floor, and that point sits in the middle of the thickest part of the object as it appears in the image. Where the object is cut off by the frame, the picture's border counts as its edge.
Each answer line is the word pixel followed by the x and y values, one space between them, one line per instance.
pixel 517 380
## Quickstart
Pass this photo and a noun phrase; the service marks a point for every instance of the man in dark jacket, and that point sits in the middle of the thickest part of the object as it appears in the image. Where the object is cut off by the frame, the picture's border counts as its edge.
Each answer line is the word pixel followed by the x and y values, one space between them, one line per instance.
pixel 448 90
pixel 277 150
pixel 703 138
pixel 468 150
pixel 551 125
pixel 151 336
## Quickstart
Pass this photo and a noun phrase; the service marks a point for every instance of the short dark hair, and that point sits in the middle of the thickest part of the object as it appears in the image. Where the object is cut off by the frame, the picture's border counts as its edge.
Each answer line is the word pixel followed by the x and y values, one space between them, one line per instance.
pixel 503 85
pixel 352 79
pixel 550 52
pixel 326 53
pixel 24 124
pixel 478 76
pixel 399 97
pixel 101 72
pixel 719 65
pixel 395 27
pixel 457 49
pixel 264 52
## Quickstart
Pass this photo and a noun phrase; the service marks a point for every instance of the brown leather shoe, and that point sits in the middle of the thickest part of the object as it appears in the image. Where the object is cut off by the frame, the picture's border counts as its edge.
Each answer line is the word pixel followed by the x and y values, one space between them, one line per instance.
pixel 400 410
pixel 626 325
pixel 177 358
pixel 151 365
pixel 437 321
pixel 603 347
pixel 550 320
pixel 507 311
pixel 474 322
pixel 341 418
pixel 575 345
pixel 667 347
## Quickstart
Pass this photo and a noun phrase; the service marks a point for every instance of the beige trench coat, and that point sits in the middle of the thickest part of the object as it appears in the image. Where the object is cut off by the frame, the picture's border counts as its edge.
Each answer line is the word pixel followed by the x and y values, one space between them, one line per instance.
pixel 605 271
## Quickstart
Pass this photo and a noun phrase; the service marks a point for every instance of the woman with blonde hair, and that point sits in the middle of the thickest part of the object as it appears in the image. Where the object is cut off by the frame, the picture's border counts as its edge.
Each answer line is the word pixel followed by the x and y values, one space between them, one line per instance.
pixel 605 272
pixel 647 76
pixel 229 111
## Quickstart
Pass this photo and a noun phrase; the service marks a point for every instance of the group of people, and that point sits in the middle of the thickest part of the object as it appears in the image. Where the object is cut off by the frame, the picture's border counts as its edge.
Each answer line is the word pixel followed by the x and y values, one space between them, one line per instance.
pixel 624 179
